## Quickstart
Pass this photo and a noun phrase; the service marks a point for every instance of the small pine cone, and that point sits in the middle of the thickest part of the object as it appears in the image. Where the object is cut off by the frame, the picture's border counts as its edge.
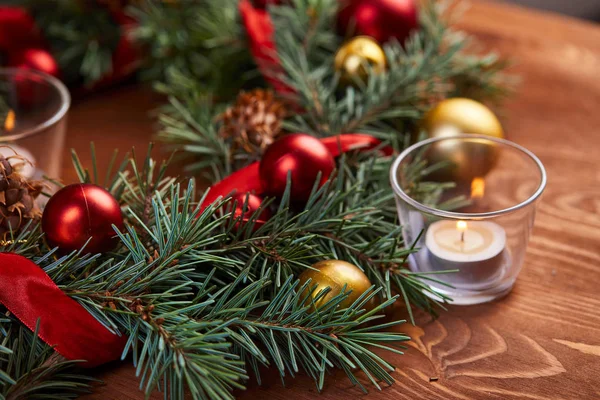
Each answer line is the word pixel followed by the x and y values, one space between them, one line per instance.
pixel 5 169
pixel 17 201
pixel 253 122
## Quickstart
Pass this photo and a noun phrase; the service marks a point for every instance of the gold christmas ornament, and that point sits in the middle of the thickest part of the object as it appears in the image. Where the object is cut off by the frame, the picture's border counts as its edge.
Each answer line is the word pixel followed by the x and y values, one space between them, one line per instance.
pixel 465 115
pixel 335 274
pixel 253 122
pixel 468 161
pixel 356 56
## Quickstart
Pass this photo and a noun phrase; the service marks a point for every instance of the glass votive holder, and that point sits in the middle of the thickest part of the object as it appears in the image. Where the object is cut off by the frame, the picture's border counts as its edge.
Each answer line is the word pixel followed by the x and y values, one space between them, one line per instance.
pixel 468 204
pixel 33 118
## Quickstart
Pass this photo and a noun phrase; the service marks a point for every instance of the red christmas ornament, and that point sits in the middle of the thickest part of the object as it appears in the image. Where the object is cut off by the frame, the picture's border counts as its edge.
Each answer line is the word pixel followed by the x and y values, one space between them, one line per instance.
pixel 79 212
pixel 380 19
pixel 254 203
pixel 305 156
pixel 38 59
pixel 17 29
pixel 31 93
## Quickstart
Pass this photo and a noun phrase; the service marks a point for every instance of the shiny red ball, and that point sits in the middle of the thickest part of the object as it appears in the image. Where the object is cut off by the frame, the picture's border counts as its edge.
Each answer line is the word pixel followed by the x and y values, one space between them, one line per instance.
pixel 31 93
pixel 17 29
pixel 380 19
pixel 304 156
pixel 254 203
pixel 38 59
pixel 79 212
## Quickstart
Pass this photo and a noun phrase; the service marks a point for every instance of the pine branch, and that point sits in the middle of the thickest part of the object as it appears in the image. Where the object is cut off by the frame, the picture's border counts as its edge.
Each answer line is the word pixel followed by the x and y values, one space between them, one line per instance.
pixel 201 40
pixel 189 124
pixel 428 67
pixel 82 37
pixel 293 335
pixel 29 369
pixel 206 298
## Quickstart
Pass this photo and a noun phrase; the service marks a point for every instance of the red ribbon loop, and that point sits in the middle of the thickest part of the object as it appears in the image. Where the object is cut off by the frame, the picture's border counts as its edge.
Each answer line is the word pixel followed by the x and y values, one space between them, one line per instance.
pixel 260 31
pixel 247 179
pixel 29 293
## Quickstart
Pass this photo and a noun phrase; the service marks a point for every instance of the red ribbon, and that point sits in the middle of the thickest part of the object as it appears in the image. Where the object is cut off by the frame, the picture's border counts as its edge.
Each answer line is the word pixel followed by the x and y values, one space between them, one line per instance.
pixel 260 30
pixel 30 294
pixel 247 179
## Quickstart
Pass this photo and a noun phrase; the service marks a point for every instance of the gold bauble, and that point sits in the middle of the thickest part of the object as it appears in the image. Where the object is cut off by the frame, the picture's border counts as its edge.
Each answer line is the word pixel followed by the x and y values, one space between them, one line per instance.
pixel 335 274
pixel 355 55
pixel 466 115
pixel 468 161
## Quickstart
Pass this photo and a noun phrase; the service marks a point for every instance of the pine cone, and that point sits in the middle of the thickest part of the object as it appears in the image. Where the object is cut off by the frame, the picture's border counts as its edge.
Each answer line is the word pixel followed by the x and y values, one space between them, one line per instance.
pixel 253 121
pixel 17 200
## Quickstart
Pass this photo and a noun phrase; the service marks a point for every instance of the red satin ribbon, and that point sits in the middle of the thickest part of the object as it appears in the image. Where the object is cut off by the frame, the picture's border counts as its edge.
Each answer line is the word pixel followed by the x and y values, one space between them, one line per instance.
pixel 260 30
pixel 247 179
pixel 30 294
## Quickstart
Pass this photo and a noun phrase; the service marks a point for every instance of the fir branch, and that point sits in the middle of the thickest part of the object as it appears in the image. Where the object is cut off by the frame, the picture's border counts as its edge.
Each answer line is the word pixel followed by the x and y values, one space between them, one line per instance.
pixel 293 335
pixel 189 124
pixel 202 40
pixel 81 35
pixel 206 298
pixel 428 67
pixel 29 369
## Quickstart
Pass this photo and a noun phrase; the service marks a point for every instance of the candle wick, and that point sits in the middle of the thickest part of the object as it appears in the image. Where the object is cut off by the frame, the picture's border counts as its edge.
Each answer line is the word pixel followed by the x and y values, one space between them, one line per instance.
pixel 462 237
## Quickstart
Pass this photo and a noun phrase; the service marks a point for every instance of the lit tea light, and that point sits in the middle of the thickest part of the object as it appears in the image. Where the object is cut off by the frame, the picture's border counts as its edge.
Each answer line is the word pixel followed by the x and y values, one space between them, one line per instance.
pixel 19 157
pixel 9 121
pixel 477 188
pixel 474 248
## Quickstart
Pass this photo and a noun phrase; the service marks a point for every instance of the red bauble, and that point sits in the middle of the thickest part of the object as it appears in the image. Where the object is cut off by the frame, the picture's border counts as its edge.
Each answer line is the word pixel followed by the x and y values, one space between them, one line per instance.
pixel 79 212
pixel 38 59
pixel 17 29
pixel 31 93
pixel 303 155
pixel 380 19
pixel 254 203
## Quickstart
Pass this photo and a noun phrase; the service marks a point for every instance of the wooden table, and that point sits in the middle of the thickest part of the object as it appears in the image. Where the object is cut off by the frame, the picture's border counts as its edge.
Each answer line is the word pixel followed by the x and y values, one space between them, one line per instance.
pixel 543 340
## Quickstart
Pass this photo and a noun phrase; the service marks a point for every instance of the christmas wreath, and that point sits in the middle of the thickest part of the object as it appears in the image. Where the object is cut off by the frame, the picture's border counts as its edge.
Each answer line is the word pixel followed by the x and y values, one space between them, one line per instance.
pixel 293 111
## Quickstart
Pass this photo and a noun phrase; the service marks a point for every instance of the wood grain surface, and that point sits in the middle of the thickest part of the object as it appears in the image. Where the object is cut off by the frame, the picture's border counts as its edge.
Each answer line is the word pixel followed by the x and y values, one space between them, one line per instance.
pixel 543 340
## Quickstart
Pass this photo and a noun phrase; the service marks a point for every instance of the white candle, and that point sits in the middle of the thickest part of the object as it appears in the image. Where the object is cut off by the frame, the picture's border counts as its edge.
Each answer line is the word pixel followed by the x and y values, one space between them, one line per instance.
pixel 475 248
pixel 26 169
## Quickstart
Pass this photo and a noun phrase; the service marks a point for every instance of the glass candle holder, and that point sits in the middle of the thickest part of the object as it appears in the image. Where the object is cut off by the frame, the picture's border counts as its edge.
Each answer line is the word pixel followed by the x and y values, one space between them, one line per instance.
pixel 33 111
pixel 468 204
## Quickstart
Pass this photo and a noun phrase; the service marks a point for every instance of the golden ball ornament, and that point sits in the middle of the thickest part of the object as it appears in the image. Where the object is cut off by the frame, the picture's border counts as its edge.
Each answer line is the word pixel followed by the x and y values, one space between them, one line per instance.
pixel 335 274
pixel 466 115
pixel 356 56
pixel 467 160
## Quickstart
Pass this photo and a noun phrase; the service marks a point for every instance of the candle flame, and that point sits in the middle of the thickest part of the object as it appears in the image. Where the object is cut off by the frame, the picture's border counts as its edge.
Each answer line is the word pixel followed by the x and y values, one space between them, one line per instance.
pixel 9 122
pixel 461 226
pixel 477 188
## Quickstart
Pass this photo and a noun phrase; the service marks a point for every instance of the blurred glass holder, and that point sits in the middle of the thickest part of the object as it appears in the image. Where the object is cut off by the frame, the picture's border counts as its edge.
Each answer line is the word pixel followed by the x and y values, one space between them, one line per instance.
pixel 468 204
pixel 33 114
